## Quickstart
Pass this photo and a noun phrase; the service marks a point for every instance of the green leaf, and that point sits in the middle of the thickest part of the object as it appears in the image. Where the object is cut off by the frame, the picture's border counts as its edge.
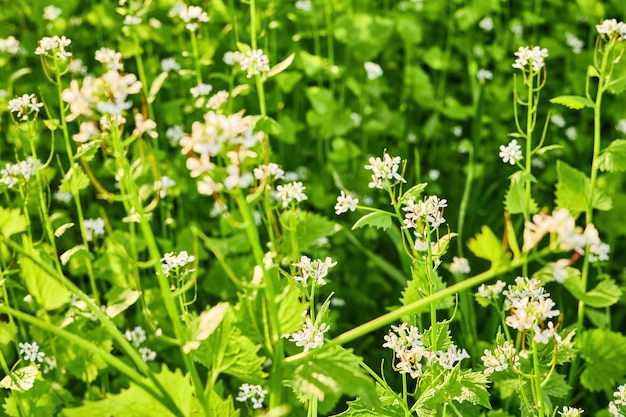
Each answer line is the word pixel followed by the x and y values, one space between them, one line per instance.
pixel 119 300
pixel 613 158
pixel 487 246
pixel 321 100
pixel 42 400
pixel 11 221
pixel 45 289
pixel 390 405
pixel 415 288
pixel 309 228
pixel 573 102
pixel 573 191
pixel 604 352
pixel 281 66
pixel 74 180
pixel 331 374
pixel 605 294
pixel 156 86
pixel 135 402
pixel 473 388
pixel 516 201
pixel 365 34
pixel 413 193
pixel 378 219
pixel 205 325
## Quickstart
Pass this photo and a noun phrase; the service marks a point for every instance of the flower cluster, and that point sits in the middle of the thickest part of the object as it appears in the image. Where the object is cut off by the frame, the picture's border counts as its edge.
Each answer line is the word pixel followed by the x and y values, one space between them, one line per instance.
pixel 192 16
pixel 12 174
pixel 252 62
pixel 311 336
pixel 317 270
pixel 31 352
pixel 617 407
pixel 530 306
pixel 108 94
pixel 569 236
pixel 490 292
pixel 291 191
pixel 54 46
pixel 10 45
pixel 532 57
pixel 172 262
pixel 111 59
pixel 460 265
pixel 384 170
pixel 409 350
pixel 232 135
pixel 255 393
pixel 511 153
pixel 373 70
pixel 611 28
pixel 137 336
pixel 430 210
pixel 345 203
pixel 571 412
pixel 94 227
pixel 500 358
pixel 24 106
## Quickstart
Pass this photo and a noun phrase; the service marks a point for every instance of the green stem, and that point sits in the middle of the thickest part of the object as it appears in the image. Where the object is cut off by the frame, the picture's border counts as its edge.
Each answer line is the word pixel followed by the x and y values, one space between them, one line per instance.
pixel 537 380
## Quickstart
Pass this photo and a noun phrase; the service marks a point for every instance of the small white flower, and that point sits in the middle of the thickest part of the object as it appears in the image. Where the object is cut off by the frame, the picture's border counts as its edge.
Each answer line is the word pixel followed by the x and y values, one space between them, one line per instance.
pixel 310 337
pixel 484 74
pixel 571 412
pixel 31 352
pixel 174 134
pixel 492 291
pixel 112 60
pixel 304 5
pixel 345 203
pixel 147 354
pixel 511 153
pixel 255 393
pixel 201 90
pixel 94 227
pixel 51 13
pixel 24 106
pixel 460 265
pixel 170 65
pixel 558 120
pixel 373 70
pixel 384 170
pixel 574 42
pixel 137 335
pixel 486 24
pixel 254 62
pixel 535 56
pixel 289 192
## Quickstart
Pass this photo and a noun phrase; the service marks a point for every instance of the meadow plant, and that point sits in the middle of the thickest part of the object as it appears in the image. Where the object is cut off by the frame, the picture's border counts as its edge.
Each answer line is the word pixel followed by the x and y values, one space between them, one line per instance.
pixel 220 209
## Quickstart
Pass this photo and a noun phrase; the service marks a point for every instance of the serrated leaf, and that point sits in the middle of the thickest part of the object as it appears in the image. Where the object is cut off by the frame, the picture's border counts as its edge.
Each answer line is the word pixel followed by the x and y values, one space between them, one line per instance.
pixel 613 158
pixel 281 66
pixel 135 402
pixel 331 374
pixel 12 221
pixel 380 220
pixel 46 290
pixel 604 352
pixel 487 246
pixel 516 200
pixel 473 388
pixel 390 406
pixel 573 191
pixel 573 102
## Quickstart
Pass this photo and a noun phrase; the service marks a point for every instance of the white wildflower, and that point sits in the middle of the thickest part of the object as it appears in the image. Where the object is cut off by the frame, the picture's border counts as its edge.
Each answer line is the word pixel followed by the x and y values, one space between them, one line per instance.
pixel 373 70
pixel 310 337
pixel 345 203
pixel 460 265
pixel 255 393
pixel 511 153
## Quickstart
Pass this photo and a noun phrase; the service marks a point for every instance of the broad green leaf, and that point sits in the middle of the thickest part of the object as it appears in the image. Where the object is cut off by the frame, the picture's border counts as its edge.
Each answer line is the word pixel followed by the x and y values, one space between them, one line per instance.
pixel 380 220
pixel 268 125
pixel 365 34
pixel 331 374
pixel 281 66
pixel 605 294
pixel 573 191
pixel 11 221
pixel 205 325
pixel 473 388
pixel 516 201
pixel 135 402
pixel 487 246
pixel 219 406
pixel 42 400
pixel 573 102
pixel 613 158
pixel 309 228
pixel 45 289
pixel 604 352
pixel 321 100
